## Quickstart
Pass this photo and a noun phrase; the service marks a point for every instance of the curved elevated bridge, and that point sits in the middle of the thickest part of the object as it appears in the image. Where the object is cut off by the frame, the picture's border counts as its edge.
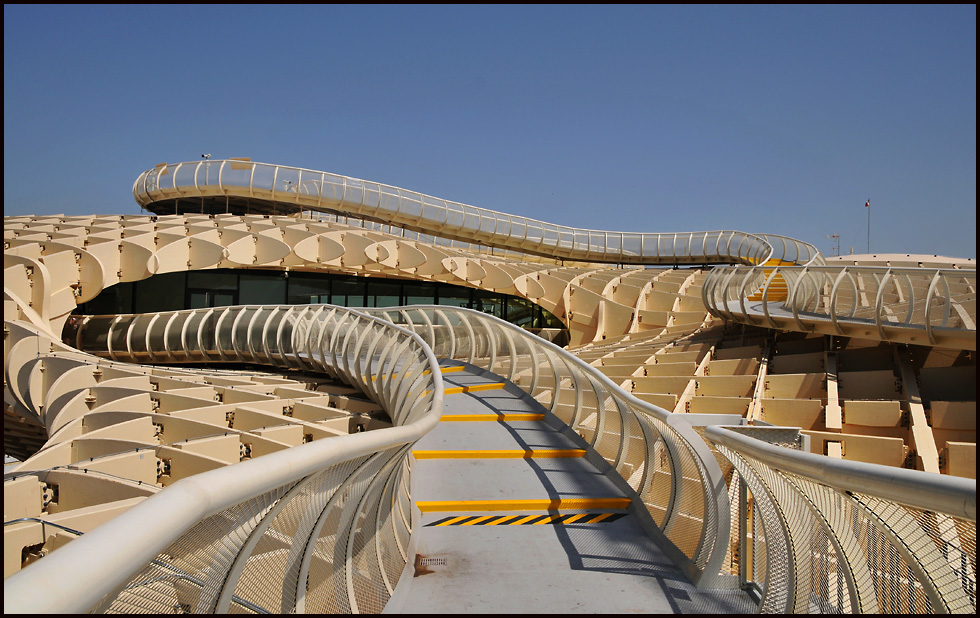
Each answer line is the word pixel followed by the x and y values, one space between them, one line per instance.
pixel 521 514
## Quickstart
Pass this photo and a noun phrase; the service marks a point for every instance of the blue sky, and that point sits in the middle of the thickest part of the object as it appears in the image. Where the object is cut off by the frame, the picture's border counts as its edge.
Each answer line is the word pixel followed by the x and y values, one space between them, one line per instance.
pixel 782 120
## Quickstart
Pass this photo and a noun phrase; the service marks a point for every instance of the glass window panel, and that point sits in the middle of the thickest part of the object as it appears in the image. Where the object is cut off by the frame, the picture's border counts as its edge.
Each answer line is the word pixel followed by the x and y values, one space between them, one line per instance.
pixel 288 180
pixel 550 234
pixel 347 293
pixel 565 238
pixel 119 331
pixel 207 173
pixel 488 224
pixel 310 186
pixel 650 244
pixel 207 331
pixel 332 187
pixel 420 294
pixel 147 181
pixel 213 280
pixel 454 296
pixel 411 204
pixel 198 300
pixel 434 213
pixel 372 194
pixel 305 289
pixel 682 245
pixel 222 299
pixel 631 244
pixel 389 200
pixel 534 231
pixel 381 294
pixel 548 320
pixel 454 214
pixel 184 176
pixel 111 301
pixel 353 192
pixel 597 241
pixel 521 312
pixel 262 290
pixel 160 293
pixel 471 218
pixel 494 304
pixel 232 175
pixel 381 300
pixel 95 335
pixel 262 176
pixel 614 241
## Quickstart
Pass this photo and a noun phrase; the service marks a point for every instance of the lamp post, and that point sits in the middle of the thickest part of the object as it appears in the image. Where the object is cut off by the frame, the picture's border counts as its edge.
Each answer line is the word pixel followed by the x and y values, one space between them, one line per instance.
pixel 207 167
pixel 868 206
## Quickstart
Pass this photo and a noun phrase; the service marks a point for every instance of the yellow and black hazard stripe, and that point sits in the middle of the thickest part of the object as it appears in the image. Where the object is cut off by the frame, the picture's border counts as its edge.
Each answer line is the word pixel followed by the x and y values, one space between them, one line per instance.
pixel 526 520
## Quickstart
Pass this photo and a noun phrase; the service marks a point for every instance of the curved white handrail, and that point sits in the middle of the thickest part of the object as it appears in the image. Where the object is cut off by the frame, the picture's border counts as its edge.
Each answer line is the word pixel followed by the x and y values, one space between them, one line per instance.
pixel 922 306
pixel 325 192
pixel 835 520
pixel 251 493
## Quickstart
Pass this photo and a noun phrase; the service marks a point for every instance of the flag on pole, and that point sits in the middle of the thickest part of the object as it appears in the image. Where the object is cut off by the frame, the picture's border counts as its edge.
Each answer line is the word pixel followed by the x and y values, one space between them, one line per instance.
pixel 867 204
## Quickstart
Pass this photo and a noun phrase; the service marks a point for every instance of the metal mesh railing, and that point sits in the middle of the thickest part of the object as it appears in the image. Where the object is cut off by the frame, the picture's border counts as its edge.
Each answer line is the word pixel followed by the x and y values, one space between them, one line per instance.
pixel 318 528
pixel 844 537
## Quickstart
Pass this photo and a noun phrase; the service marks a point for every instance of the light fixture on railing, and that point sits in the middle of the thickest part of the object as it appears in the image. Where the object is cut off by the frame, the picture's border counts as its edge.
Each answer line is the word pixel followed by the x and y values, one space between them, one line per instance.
pixel 205 156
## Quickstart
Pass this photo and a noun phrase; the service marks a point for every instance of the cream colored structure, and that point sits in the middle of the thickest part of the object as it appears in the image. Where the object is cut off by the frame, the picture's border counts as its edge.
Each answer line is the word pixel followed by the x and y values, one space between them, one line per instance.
pixel 875 364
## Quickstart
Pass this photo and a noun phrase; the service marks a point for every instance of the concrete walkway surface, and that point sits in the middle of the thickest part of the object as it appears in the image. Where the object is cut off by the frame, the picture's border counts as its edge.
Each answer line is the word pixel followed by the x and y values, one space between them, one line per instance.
pixel 515 519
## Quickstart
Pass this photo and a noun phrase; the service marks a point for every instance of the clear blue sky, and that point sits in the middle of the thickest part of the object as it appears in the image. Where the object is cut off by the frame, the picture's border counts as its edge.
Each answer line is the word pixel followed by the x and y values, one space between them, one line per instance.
pixel 664 119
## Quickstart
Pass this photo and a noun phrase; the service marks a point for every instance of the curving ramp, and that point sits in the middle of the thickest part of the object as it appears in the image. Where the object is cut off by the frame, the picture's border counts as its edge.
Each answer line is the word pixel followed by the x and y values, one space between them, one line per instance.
pixel 240 185
pixel 764 291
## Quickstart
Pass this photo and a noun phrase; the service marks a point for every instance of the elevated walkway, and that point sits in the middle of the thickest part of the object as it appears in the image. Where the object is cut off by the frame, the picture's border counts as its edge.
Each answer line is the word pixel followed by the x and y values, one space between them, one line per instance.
pixel 241 186
pixel 516 518
pixel 919 306
pixel 480 498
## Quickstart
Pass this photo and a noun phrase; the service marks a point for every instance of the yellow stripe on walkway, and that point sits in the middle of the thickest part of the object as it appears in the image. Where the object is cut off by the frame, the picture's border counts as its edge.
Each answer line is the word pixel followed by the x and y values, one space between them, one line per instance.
pixel 443 370
pixel 433 506
pixel 458 418
pixel 501 454
pixel 473 388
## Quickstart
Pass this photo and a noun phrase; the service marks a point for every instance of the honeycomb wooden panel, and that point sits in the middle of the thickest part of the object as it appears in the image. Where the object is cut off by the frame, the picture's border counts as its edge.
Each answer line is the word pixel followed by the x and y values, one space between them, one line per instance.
pixel 792 412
